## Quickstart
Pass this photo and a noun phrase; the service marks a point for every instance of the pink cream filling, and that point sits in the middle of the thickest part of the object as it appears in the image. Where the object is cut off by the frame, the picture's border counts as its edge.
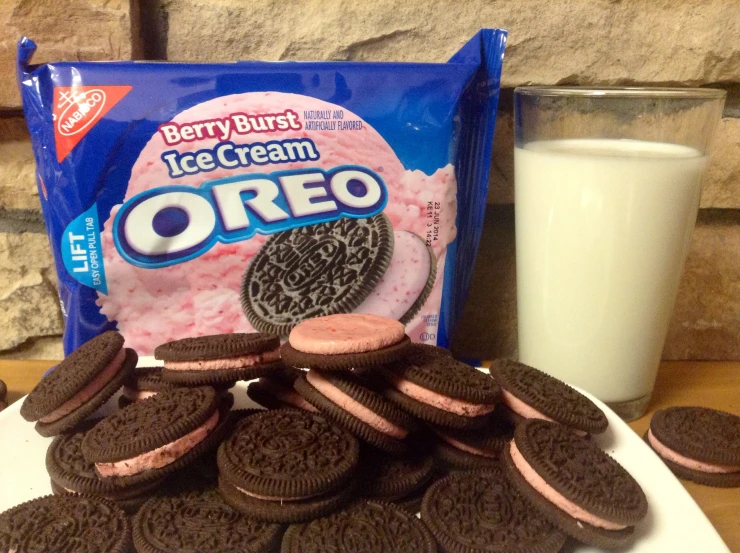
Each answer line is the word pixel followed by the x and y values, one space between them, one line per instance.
pixel 465 447
pixel 160 456
pixel 92 388
pixel 286 395
pixel 675 457
pixel 527 411
pixel 346 333
pixel 239 362
pixel 281 499
pixel 446 403
pixel 136 395
pixel 354 407
pixel 554 497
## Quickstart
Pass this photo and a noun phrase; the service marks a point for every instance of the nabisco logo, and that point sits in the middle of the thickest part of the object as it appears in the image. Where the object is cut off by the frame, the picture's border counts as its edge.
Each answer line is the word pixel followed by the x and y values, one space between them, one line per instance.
pixel 80 111
pixel 77 109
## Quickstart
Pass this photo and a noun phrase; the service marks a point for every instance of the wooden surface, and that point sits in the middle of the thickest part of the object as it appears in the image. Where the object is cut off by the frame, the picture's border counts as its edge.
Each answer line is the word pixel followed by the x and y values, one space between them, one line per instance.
pixel 708 384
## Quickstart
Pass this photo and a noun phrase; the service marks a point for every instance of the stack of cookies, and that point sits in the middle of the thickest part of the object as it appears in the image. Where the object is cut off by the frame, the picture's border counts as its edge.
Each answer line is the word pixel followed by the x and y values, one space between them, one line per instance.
pixel 362 430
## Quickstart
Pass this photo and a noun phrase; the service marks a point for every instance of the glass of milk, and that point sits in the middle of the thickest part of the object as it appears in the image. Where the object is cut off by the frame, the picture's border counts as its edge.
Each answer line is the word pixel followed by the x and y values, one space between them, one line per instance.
pixel 607 186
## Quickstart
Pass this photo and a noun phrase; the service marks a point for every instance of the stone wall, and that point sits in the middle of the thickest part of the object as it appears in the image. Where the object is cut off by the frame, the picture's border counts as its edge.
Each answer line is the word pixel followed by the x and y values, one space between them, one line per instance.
pixel 600 42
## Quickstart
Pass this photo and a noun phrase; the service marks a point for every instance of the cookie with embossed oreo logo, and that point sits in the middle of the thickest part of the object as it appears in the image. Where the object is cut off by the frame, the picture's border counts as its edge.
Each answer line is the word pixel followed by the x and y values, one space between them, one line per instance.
pixel 287 465
pixel 199 520
pixel 219 359
pixel 155 437
pixel 368 526
pixel 480 511
pixel 698 444
pixel 315 270
pixel 441 390
pixel 142 383
pixel 276 391
pixel 347 401
pixel 531 393
pixel 65 523
pixel 79 385
pixel 71 473
pixel 473 449
pixel 345 342
pixel 574 484
pixel 393 479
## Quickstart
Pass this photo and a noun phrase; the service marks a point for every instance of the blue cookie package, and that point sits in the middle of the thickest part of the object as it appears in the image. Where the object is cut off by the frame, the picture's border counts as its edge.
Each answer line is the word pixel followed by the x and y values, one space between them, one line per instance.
pixel 186 199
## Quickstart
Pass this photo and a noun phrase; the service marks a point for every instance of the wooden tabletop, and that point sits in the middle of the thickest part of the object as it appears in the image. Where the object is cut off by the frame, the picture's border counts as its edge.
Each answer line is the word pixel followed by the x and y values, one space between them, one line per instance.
pixel 707 384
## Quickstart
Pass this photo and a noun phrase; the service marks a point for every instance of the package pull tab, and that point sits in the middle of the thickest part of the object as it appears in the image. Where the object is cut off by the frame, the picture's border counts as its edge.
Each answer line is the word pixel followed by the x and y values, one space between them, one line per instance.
pixel 82 251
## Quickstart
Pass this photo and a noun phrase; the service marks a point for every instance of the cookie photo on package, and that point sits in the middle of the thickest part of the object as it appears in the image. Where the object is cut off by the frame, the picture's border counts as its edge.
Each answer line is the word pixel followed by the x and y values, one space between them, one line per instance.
pixel 184 199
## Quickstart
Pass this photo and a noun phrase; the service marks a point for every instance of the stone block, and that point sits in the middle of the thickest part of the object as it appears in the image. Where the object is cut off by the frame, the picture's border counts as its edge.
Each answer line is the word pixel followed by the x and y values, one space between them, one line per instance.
pixel 29 305
pixel 65 30
pixel 565 42
pixel 18 188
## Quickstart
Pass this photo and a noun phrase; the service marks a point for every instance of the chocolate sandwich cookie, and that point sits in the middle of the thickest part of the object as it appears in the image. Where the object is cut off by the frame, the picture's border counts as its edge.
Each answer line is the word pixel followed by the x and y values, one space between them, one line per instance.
pixel 315 270
pixel 473 449
pixel 3 395
pixel 219 359
pixel 276 391
pixel 345 342
pixel 530 393
pixel 65 523
pixel 698 444
pixel 369 527
pixel 393 479
pixel 345 401
pixel 441 390
pixel 196 521
pixel 153 438
pixel 79 385
pixel 144 382
pixel 287 465
pixel 480 511
pixel 575 485
pixel 71 473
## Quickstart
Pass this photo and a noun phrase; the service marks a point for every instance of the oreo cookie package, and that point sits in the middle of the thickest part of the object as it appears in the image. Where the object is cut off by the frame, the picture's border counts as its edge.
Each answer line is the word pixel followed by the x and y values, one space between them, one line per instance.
pixel 191 199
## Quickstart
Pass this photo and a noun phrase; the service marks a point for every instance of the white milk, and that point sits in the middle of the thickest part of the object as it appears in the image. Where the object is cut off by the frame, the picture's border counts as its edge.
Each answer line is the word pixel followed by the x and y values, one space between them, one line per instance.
pixel 602 231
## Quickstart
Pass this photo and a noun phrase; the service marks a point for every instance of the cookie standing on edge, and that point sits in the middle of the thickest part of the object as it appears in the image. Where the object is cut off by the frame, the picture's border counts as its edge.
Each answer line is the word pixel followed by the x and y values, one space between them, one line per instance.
pixel 65 523
pixel 287 465
pixel 441 390
pixel 155 437
pixel 344 400
pixel 473 449
pixel 219 358
pixel 79 385
pixel 276 391
pixel 315 270
pixel 480 511
pixel 698 444
pixel 71 473
pixel 369 527
pixel 575 485
pixel 345 342
pixel 199 521
pixel 144 382
pixel 390 479
pixel 531 393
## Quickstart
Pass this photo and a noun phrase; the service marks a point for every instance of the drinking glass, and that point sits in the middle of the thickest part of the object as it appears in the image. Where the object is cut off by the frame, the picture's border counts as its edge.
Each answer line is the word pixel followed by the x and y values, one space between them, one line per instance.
pixel 607 186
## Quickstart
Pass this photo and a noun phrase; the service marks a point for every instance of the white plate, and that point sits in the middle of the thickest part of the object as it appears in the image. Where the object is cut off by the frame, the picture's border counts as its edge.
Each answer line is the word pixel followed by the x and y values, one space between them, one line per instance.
pixel 674 523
